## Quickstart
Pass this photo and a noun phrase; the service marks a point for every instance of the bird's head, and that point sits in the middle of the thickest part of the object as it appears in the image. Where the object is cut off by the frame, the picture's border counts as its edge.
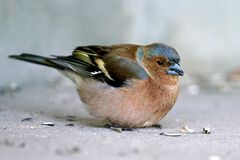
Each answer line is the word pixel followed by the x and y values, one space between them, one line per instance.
pixel 160 60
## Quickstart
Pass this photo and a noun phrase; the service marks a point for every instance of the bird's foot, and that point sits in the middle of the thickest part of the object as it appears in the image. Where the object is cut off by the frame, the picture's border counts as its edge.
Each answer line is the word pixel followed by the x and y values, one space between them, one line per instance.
pixel 159 126
pixel 118 128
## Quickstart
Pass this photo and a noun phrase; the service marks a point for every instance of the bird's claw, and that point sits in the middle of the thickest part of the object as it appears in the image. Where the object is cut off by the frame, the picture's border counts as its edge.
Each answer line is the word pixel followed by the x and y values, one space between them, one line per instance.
pixel 159 126
pixel 117 128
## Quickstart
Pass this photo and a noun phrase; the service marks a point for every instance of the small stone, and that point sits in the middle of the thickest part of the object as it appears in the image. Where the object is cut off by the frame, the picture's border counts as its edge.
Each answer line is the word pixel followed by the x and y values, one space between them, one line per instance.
pixel 70 124
pixel 206 130
pixel 27 119
pixel 48 123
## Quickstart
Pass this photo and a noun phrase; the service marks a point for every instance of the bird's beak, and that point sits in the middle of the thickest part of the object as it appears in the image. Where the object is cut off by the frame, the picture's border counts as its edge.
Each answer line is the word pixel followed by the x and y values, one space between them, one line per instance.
pixel 175 70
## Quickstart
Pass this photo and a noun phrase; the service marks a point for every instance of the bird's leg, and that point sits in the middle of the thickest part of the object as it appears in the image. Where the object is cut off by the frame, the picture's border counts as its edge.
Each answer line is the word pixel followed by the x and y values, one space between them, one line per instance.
pixel 159 126
pixel 117 128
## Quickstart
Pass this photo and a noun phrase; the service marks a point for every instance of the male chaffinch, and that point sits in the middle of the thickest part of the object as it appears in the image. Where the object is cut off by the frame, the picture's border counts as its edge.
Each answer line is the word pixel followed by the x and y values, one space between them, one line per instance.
pixel 130 85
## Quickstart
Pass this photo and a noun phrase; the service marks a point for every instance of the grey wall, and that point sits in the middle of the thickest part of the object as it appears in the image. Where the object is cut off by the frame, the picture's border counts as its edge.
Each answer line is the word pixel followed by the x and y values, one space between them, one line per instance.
pixel 205 32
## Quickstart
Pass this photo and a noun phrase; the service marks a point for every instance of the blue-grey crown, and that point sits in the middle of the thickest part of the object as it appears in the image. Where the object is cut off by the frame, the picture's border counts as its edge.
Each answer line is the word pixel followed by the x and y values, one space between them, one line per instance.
pixel 159 49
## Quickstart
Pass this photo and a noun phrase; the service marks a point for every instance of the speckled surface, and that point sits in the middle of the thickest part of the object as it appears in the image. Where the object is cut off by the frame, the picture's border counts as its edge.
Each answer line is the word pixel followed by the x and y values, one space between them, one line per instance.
pixel 89 140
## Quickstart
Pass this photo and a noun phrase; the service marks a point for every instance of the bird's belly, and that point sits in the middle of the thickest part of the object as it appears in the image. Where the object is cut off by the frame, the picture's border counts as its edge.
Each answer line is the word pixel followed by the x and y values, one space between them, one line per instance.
pixel 125 107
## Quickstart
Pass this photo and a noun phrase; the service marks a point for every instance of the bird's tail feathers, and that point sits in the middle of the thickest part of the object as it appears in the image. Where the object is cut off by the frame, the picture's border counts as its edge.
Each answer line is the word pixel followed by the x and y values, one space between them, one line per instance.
pixel 35 59
pixel 68 63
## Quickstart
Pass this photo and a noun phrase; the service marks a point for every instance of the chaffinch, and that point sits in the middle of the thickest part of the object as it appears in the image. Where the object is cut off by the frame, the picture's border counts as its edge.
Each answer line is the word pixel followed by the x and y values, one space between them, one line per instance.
pixel 130 85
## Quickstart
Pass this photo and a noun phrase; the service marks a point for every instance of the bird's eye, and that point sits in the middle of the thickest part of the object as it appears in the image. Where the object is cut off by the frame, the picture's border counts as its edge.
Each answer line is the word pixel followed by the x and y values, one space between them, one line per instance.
pixel 160 63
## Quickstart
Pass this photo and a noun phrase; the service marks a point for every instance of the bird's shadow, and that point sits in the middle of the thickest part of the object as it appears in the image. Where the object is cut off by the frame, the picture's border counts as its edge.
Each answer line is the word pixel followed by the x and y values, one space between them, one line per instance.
pixel 85 121
pixel 94 122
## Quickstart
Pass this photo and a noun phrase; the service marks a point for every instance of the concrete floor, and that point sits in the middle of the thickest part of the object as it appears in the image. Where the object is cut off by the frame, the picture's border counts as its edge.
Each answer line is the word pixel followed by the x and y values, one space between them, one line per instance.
pixel 88 140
